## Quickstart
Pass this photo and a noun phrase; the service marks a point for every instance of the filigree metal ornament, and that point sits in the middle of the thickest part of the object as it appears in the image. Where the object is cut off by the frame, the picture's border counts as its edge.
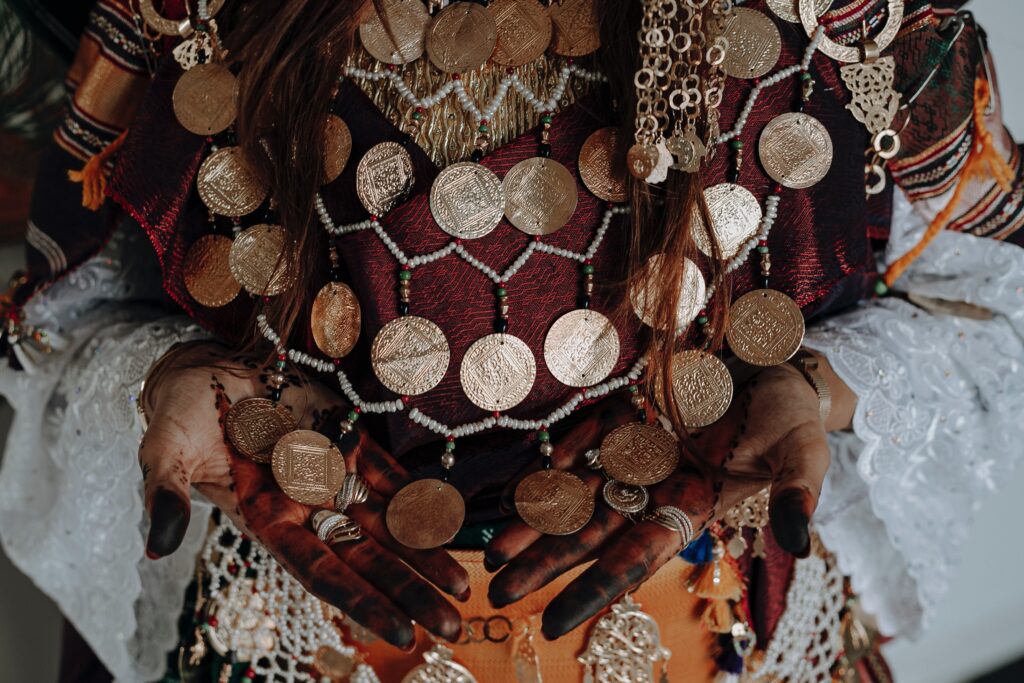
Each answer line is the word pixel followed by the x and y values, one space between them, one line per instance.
pixel 874 102
pixel 623 646
pixel 439 667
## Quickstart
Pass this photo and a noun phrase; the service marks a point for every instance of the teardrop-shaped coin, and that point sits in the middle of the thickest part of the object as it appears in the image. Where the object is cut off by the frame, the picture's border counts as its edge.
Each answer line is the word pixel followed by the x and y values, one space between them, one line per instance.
pixel 335 319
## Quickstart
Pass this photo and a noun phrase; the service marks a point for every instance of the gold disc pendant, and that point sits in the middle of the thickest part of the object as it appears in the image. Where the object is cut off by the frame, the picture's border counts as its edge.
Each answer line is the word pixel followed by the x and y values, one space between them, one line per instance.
pixel 497 372
pixel 410 355
pixel 639 454
pixel 337 147
pixel 256 260
pixel 255 425
pixel 540 195
pixel 335 319
pixel 408 21
pixel 754 44
pixel 467 199
pixel 461 37
pixel 647 288
pixel 577 28
pixel 602 164
pixel 384 177
pixel 581 348
pixel 702 387
pixel 207 271
pixel 205 99
pixel 308 467
pixel 425 514
pixel 523 29
pixel 795 150
pixel 227 185
pixel 766 327
pixel 554 502
pixel 735 218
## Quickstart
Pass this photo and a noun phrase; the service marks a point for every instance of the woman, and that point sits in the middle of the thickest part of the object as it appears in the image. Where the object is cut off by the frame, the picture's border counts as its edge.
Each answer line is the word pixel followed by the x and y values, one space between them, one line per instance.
pixel 399 245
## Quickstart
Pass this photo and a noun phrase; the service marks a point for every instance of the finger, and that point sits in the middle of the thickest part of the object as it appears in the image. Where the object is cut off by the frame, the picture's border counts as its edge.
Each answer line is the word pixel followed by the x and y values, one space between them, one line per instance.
pixel 804 457
pixel 166 481
pixel 378 467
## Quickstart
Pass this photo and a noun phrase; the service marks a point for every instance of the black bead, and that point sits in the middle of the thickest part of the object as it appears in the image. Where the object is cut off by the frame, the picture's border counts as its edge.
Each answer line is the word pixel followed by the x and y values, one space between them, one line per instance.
pixel 405 140
pixel 444 473
pixel 800 105
pixel 403 308
pixel 348 441
pixel 501 326
pixel 335 275
pixel 546 462
pixel 734 175
pixel 642 415
pixel 275 395
pixel 476 156
pixel 544 150
pixel 585 302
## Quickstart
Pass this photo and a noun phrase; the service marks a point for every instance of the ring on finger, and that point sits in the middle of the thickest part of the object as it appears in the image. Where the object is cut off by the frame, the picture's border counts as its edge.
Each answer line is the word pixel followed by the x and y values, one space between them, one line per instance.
pixel 354 490
pixel 673 519
pixel 335 527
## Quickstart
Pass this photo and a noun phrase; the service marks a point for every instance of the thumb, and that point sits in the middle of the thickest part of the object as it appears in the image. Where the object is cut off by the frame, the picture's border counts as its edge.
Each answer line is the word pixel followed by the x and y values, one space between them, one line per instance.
pixel 804 460
pixel 166 481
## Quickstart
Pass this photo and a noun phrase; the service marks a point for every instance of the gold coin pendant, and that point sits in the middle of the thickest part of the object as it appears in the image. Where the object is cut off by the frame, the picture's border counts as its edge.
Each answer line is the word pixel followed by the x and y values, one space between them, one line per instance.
pixel 540 195
pixel 335 319
pixel 735 218
pixel 647 288
pixel 639 454
pixel 754 44
pixel 577 28
pixel 461 37
pixel 205 99
pixel 425 514
pixel 337 147
pixel 227 185
pixel 467 199
pixel 581 348
pixel 523 29
pixel 641 160
pixel 554 502
pixel 602 165
pixel 207 271
pixel 410 355
pixel 702 387
pixel 766 327
pixel 408 21
pixel 256 260
pixel 795 150
pixel 255 425
pixel 308 467
pixel 498 372
pixel 384 177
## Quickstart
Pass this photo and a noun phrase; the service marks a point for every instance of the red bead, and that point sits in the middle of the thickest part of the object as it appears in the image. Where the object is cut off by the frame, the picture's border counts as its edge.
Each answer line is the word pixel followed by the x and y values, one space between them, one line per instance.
pixel 456 77
pixel 458 240
pixel 391 67
pixel 536 238
pixel 571 61
pixel 281 356
pixel 543 428
pixel 336 361
pixel 373 217
pixel 510 71
pixel 586 262
pixel 777 188
pixel 483 122
pixel 609 205
pixel 209 139
pixel 266 299
pixel 496 413
pixel 212 621
pixel 762 243
pixel 406 399
pixel 420 109
pixel 249 673
pixel 703 313
pixel 357 410
pixel 450 438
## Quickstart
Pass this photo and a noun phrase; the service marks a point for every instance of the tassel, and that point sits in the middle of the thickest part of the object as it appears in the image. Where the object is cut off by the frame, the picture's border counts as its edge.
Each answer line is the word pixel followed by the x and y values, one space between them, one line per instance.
pixel 718 616
pixel 700 550
pixel 93 175
pixel 718 580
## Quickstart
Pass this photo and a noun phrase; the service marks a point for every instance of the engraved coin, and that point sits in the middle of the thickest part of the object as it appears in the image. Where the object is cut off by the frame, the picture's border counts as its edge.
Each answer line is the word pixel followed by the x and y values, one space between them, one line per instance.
pixel 425 514
pixel 207 271
pixel 255 425
pixel 204 99
pixel 408 21
pixel 735 218
pixel 540 195
pixel 333 664
pixel 581 348
pixel 766 327
pixel 256 260
pixel 639 454
pixel 227 185
pixel 754 44
pixel 497 371
pixel 461 37
pixel 410 355
pixel 335 319
pixel 307 467
pixel 702 387
pixel 384 177
pixel 795 150
pixel 641 160
pixel 524 31
pixel 646 290
pixel 466 199
pixel 788 10
pixel 577 29
pixel 603 165
pixel 337 147
pixel 627 499
pixel 554 502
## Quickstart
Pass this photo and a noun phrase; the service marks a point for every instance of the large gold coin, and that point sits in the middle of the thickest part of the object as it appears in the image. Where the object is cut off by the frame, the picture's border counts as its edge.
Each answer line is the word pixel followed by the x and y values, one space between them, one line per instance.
pixel 408 21
pixel 337 147
pixel 754 44
pixel 540 195
pixel 384 177
pixel 577 29
pixel 410 355
pixel 702 387
pixel 498 371
pixel 205 99
pixel 207 271
pixel 766 327
pixel 788 10
pixel 795 150
pixel 461 37
pixel 425 514
pixel 648 288
pixel 257 263
pixel 335 319
pixel 308 467
pixel 581 348
pixel 735 218
pixel 554 502
pixel 227 185
pixel 639 454
pixel 255 425
pixel 603 165
pixel 466 199
pixel 524 31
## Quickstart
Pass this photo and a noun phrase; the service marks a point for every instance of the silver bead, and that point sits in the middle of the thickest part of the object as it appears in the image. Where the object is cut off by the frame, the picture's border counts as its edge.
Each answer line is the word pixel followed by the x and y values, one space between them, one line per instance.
pixel 546 448
pixel 447 460
pixel 345 426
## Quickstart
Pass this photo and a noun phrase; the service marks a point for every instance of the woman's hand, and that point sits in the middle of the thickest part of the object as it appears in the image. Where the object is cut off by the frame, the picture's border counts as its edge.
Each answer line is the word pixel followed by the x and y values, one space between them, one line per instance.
pixel 377 582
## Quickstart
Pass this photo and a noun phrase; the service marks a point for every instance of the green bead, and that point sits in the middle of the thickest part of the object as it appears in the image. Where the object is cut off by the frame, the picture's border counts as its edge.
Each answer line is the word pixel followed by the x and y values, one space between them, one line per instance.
pixel 588 269
pixel 805 76
pixel 702 320
pixel 280 364
pixel 881 289
pixel 736 144
pixel 352 416
pixel 405 275
pixel 484 128
pixel 545 119
pixel 761 249
pixel 449 446
pixel 246 679
pixel 543 436
pixel 633 390
pixel 502 291
pixel 416 116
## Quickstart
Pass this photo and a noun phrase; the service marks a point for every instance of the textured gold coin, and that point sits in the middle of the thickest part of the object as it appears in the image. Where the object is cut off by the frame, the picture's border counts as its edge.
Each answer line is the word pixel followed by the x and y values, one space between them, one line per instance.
pixel 408 21
pixel 577 29
pixel 639 454
pixel 524 31
pixel 581 348
pixel 384 177
pixel 335 319
pixel 207 271
pixel 256 260
pixel 626 499
pixel 702 387
pixel 795 150
pixel 554 502
pixel 255 425
pixel 735 218
pixel 647 289
pixel 466 199
pixel 461 37
pixel 540 195
pixel 641 160
pixel 425 514
pixel 205 99
pixel 227 185
pixel 602 165
pixel 410 355
pixel 766 327
pixel 498 371
pixel 308 467
pixel 754 44
pixel 337 147
pixel 789 10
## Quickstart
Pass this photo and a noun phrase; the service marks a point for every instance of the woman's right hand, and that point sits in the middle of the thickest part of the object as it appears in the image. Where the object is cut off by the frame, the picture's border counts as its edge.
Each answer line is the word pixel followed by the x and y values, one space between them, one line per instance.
pixel 377 582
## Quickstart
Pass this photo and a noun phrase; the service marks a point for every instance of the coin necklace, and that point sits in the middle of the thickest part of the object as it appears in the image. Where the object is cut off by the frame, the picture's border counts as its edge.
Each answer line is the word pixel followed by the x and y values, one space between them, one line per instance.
pixel 554 502
pixel 205 97
pixel 255 425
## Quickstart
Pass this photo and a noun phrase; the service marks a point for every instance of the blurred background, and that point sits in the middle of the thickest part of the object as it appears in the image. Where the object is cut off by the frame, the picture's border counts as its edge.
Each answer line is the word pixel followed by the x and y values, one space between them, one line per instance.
pixel 977 635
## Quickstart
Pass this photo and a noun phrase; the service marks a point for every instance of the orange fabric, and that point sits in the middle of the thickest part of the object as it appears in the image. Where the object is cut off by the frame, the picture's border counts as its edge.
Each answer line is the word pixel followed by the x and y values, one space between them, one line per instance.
pixel 94 175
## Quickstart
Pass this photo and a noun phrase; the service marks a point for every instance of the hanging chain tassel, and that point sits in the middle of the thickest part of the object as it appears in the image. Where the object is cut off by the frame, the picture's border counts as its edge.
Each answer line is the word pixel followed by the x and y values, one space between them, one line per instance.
pixel 719 582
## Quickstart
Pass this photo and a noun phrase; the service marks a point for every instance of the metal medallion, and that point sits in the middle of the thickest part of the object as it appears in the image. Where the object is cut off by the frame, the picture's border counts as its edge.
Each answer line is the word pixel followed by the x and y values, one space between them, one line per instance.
pixel 795 150
pixel 257 260
pixel 308 467
pixel 227 185
pixel 425 514
pixel 702 387
pixel 554 502
pixel 255 425
pixel 540 195
pixel 735 218
pixel 439 666
pixel 754 44
pixel 241 624
pixel 467 199
pixel 577 28
pixel 641 160
pixel 602 165
pixel 524 31
pixel 688 150
pixel 626 499
pixel 639 454
pixel 766 327
pixel 207 271
pixel 337 147
pixel 335 319
pixel 854 52
pixel 408 21
pixel 581 348
pixel 205 99
pixel 789 10
pixel 497 372
pixel 410 355
pixel 384 177
pixel 461 37
pixel 647 289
